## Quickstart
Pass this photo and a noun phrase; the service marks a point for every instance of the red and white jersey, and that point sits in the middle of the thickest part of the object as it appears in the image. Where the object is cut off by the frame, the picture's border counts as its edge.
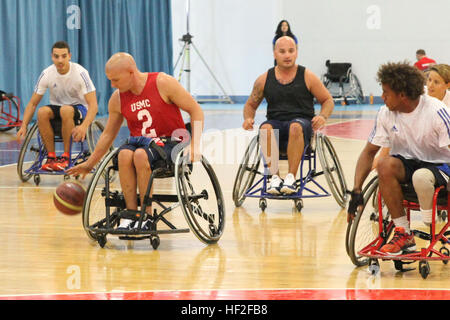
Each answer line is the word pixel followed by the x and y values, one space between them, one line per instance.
pixel 147 114
pixel 424 63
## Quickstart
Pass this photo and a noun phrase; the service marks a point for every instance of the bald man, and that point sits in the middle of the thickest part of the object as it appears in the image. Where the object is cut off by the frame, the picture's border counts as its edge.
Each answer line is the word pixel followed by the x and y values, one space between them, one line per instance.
pixel 151 103
pixel 289 90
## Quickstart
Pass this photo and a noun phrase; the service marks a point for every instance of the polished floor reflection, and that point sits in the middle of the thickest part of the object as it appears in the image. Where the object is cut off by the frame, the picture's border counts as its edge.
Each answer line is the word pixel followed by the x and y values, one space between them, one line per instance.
pixel 279 253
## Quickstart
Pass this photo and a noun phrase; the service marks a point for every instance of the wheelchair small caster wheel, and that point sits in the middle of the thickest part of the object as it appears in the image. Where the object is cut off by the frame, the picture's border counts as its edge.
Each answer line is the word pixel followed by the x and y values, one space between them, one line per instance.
pixel 37 179
pixel 424 269
pixel 445 252
pixel 262 204
pixel 155 242
pixel 374 267
pixel 102 241
pixel 298 204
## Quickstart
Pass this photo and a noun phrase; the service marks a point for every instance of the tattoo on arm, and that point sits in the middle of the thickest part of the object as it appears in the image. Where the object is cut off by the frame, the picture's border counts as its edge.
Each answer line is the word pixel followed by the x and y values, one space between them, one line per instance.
pixel 257 95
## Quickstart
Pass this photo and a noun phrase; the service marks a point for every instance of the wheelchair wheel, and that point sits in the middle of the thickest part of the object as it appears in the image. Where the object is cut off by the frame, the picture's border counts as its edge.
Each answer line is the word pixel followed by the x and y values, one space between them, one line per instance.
pixel 365 226
pixel 355 90
pixel 246 172
pixel 94 207
pixel 201 198
pixel 9 111
pixel 29 153
pixel 93 135
pixel 332 169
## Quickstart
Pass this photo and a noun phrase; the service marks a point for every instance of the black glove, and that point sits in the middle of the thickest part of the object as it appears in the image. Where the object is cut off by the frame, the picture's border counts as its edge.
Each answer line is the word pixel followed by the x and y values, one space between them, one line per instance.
pixel 356 200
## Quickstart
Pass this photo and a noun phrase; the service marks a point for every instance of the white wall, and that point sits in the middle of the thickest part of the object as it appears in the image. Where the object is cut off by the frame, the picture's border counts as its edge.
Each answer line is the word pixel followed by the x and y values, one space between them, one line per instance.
pixel 235 36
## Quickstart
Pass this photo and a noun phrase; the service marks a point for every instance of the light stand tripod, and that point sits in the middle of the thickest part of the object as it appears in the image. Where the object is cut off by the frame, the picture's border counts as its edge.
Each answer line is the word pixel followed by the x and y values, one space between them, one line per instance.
pixel 185 55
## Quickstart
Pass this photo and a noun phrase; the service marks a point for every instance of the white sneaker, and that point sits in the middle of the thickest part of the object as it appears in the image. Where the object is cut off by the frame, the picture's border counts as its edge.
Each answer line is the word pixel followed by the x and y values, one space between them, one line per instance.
pixel 288 184
pixel 275 184
pixel 125 224
pixel 427 216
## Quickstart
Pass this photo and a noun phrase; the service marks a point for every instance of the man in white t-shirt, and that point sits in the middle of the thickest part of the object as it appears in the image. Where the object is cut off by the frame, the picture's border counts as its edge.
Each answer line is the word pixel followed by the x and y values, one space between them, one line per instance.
pixel 416 128
pixel 73 101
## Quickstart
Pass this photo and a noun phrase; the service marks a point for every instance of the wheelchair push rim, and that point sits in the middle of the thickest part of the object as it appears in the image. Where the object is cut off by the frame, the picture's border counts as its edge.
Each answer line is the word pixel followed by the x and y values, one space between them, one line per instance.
pixel 92 191
pixel 29 146
pixel 246 174
pixel 194 197
pixel 332 169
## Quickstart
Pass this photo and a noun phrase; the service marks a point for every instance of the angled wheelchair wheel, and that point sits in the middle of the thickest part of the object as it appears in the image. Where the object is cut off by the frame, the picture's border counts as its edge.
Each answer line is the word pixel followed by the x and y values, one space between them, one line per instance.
pixel 93 134
pixel 94 207
pixel 29 153
pixel 9 112
pixel 246 172
pixel 365 226
pixel 332 169
pixel 355 90
pixel 92 137
pixel 201 198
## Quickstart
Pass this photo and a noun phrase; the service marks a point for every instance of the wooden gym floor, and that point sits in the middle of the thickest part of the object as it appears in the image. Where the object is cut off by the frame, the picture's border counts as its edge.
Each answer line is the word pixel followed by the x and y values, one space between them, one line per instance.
pixel 278 254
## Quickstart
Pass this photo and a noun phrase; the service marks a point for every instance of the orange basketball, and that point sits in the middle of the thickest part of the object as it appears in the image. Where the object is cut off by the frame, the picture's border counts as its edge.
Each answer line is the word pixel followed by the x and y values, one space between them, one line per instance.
pixel 69 197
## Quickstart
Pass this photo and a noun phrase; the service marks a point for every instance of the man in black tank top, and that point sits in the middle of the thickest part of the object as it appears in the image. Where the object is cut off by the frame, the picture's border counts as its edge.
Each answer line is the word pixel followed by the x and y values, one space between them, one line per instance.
pixel 289 90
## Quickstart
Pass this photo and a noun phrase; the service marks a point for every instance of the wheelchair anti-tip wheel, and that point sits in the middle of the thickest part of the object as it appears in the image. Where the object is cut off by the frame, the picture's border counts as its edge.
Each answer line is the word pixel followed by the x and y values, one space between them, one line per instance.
pixel 332 169
pixel 247 171
pixel 201 198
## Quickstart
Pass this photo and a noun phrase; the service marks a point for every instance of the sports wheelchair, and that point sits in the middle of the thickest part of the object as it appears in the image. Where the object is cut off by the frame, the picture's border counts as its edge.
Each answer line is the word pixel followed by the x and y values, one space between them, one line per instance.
pixel 373 226
pixel 33 153
pixel 342 83
pixel 200 199
pixel 307 186
pixel 9 111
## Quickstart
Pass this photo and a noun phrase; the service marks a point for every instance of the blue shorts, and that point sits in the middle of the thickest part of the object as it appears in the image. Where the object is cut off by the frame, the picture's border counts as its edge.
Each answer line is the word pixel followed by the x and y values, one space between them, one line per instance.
pixel 134 143
pixel 283 131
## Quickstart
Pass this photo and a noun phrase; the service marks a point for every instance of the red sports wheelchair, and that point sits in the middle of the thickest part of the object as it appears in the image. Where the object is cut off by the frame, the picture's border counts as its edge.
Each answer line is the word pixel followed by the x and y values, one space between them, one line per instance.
pixel 9 111
pixel 373 226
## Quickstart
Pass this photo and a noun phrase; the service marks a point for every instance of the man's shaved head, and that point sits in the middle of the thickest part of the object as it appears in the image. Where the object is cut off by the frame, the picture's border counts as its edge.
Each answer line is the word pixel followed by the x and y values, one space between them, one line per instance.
pixel 121 61
pixel 285 40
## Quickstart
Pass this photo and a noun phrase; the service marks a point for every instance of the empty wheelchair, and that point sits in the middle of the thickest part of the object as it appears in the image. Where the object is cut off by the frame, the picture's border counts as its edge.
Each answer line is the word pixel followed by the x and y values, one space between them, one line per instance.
pixel 342 83
pixel 9 111
pixel 253 168
pixel 372 227
pixel 197 192
pixel 33 153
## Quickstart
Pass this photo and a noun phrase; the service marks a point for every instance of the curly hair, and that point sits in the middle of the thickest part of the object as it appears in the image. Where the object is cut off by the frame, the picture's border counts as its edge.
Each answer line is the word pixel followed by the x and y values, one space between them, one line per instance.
pixel 402 77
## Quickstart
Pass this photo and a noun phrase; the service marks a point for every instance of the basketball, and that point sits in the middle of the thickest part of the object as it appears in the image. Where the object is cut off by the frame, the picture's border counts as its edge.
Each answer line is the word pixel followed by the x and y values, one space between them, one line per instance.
pixel 69 197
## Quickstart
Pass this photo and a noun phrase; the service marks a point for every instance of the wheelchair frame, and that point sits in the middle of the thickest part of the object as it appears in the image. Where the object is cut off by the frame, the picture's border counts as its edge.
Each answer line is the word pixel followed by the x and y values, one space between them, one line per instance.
pixel 370 253
pixel 33 143
pixel 322 145
pixel 9 112
pixel 186 197
pixel 354 91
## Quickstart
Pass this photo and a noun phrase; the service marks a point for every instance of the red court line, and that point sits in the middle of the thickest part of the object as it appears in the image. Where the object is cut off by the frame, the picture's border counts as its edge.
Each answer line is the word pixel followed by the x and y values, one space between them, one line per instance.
pixel 354 129
pixel 294 294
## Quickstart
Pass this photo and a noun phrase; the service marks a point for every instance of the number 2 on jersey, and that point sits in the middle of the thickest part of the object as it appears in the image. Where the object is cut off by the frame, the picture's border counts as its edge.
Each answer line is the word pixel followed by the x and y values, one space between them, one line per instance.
pixel 147 124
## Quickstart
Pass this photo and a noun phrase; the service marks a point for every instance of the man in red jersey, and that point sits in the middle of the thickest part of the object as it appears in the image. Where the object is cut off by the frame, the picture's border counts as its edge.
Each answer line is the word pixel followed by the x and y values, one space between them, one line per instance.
pixel 151 103
pixel 423 62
